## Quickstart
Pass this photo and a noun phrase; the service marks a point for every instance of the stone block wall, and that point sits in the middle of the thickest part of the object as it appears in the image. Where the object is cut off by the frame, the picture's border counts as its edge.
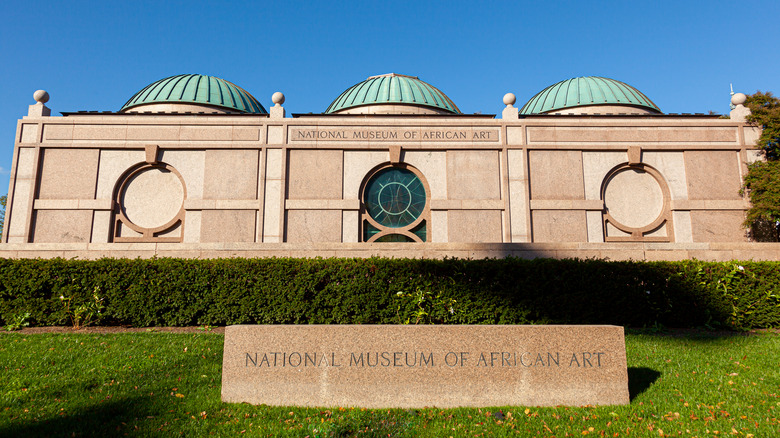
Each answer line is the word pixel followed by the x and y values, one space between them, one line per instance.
pixel 210 180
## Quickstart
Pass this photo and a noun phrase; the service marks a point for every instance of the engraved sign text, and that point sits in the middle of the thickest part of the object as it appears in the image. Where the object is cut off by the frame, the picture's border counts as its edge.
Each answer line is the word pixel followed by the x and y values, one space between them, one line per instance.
pixel 410 366
pixel 422 134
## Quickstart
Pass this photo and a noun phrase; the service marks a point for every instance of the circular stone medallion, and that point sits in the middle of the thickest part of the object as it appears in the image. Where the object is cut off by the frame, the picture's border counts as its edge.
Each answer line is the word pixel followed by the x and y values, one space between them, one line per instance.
pixel 152 197
pixel 634 198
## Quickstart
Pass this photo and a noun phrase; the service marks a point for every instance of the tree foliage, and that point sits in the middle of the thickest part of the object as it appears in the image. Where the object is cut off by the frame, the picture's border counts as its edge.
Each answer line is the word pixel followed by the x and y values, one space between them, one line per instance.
pixel 765 113
pixel 762 181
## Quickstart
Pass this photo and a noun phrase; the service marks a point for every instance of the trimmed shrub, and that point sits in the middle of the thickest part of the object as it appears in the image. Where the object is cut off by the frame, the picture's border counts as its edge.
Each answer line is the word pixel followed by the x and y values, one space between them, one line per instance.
pixel 186 292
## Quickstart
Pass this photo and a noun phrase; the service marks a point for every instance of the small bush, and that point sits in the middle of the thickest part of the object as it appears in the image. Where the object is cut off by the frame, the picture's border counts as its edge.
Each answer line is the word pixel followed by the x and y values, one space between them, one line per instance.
pixel 186 292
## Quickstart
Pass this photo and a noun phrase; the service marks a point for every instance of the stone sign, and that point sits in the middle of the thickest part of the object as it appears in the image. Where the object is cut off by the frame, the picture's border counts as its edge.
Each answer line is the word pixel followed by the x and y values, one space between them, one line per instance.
pixel 413 366
pixel 418 134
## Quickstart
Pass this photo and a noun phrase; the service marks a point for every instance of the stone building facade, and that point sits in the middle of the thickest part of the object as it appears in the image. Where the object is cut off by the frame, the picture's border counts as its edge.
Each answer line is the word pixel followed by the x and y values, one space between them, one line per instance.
pixel 194 166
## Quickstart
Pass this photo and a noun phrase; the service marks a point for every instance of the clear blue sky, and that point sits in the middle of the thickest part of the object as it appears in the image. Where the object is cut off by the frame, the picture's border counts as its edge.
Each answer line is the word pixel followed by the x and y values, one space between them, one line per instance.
pixel 95 55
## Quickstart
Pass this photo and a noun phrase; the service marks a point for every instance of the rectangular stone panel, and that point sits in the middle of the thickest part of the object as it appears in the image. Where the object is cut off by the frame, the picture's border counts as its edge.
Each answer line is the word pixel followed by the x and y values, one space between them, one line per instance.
pixel 62 226
pixel 514 135
pixel 245 134
pixel 311 226
pixel 415 366
pixel 357 164
pixel 608 134
pixel 273 164
pixel 595 166
pixel 438 231
pixel 515 158
pixel 752 134
pixel 101 224
pixel 595 226
pixel 230 174
pixel 683 228
pixel 349 226
pixel 567 204
pixel 192 219
pixel 711 204
pixel 29 133
pixel 472 135
pixel 474 226
pixel 191 164
pixel 473 175
pixel 68 174
pixel 272 211
pixel 99 132
pixel 467 204
pixel 16 217
pixel 314 174
pixel 518 211
pixel 113 163
pixel 57 132
pixel 556 175
pixel 433 166
pixel 671 165
pixel 275 135
pixel 559 226
pixel 25 163
pixel 153 133
pixel 227 226
pixel 718 226
pixel 713 174
pixel 321 134
pixel 322 204
pixel 206 133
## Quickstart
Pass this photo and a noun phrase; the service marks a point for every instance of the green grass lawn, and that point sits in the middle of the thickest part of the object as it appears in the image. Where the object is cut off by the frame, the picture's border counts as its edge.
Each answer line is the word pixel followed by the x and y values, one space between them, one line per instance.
pixel 156 384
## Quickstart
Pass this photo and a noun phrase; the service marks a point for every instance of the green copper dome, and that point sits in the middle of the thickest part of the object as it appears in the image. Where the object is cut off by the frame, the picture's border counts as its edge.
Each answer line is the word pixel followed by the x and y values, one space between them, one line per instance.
pixel 393 89
pixel 198 90
pixel 586 91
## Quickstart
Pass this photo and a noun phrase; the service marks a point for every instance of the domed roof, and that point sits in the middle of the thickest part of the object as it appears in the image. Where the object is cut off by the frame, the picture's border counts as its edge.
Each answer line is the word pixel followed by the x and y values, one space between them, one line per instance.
pixel 199 90
pixel 393 89
pixel 586 91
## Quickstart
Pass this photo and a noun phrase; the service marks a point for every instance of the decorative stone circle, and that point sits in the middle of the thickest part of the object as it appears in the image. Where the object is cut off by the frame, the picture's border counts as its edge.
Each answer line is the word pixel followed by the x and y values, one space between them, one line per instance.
pixel 152 197
pixel 624 190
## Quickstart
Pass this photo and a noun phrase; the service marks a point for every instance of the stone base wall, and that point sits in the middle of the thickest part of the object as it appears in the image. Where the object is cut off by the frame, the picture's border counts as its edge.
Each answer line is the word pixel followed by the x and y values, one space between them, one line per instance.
pixel 246 180
pixel 713 251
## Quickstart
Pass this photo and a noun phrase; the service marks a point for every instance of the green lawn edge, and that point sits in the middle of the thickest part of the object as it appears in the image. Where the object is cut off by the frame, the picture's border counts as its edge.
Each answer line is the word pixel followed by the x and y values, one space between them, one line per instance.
pixel 160 384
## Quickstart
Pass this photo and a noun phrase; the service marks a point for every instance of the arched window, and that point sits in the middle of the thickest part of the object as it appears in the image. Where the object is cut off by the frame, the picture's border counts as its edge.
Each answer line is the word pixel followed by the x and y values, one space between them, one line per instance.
pixel 395 206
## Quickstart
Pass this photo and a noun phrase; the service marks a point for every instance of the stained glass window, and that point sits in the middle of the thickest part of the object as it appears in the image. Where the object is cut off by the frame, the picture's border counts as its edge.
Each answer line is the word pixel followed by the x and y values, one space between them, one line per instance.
pixel 395 197
pixel 370 231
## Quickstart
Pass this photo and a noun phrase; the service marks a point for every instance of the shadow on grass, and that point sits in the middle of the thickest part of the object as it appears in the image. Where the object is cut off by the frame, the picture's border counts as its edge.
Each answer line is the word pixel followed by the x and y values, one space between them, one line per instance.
pixel 104 419
pixel 692 334
pixel 639 379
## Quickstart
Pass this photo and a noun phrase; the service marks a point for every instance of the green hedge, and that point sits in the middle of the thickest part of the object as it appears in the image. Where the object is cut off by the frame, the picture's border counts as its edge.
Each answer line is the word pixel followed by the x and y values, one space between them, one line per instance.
pixel 184 292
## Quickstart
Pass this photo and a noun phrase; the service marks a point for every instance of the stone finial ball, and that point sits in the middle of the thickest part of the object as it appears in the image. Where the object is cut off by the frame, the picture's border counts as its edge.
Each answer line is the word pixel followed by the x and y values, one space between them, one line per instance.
pixel 41 96
pixel 738 99
pixel 277 98
pixel 509 99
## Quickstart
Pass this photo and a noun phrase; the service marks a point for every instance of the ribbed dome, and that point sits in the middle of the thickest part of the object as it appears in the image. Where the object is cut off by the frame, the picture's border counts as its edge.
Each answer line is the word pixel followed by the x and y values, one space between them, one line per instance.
pixel 587 91
pixel 198 90
pixel 393 89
